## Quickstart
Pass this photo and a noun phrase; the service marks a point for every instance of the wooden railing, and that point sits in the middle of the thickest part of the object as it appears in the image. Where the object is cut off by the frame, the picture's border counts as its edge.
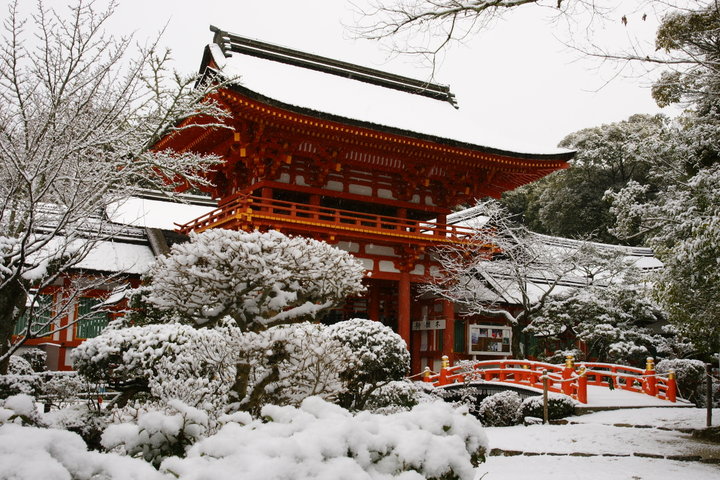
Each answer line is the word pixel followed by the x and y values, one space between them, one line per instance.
pixel 566 379
pixel 247 211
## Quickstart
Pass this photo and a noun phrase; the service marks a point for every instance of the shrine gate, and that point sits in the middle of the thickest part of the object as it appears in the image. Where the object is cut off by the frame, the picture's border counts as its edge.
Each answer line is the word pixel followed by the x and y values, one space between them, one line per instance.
pixel 323 161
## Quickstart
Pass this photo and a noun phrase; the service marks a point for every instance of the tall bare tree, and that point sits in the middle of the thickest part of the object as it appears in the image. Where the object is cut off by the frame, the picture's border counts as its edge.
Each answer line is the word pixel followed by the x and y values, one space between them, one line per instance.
pixel 80 111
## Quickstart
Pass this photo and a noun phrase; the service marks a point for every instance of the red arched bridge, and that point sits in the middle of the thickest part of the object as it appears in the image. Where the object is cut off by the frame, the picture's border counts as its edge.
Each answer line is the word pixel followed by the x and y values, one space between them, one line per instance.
pixel 567 379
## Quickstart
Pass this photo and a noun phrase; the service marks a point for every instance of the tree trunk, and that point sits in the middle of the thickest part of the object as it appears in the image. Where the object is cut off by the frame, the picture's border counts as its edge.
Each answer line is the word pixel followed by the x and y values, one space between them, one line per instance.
pixel 12 305
pixel 515 342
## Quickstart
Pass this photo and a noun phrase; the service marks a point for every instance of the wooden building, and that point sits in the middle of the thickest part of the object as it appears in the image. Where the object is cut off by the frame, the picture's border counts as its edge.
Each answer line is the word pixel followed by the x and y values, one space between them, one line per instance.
pixel 370 162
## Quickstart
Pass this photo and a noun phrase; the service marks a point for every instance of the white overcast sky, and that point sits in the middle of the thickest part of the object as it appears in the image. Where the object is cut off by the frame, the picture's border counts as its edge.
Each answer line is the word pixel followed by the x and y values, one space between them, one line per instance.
pixel 524 87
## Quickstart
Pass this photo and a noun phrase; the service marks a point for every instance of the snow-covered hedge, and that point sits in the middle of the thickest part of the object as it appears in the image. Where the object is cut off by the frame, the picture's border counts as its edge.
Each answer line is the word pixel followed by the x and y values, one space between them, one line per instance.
pixel 302 359
pixel 322 440
pixel 19 384
pixel 395 396
pixel 500 410
pixel 379 356
pixel 559 406
pixel 168 361
pixel 157 435
pixel 31 453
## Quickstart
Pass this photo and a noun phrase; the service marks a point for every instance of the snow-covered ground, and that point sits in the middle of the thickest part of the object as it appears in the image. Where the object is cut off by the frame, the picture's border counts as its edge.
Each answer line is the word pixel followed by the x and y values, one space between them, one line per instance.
pixel 601 435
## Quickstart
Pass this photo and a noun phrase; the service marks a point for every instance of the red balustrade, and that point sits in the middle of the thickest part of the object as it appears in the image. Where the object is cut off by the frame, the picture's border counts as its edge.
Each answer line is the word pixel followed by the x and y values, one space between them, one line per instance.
pixel 247 210
pixel 561 378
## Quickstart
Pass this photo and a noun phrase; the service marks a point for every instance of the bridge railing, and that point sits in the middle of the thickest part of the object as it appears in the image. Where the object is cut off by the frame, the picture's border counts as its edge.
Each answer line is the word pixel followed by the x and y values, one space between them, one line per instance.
pixel 564 379
pixel 633 379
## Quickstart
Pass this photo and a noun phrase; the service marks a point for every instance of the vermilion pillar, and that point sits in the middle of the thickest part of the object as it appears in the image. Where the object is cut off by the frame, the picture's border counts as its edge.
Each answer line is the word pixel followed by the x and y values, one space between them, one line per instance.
pixel 449 333
pixel 404 307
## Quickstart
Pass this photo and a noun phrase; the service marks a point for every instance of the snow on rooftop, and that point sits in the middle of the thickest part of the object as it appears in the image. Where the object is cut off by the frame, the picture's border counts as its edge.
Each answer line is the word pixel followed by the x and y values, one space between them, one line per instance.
pixel 149 213
pixel 361 101
pixel 107 256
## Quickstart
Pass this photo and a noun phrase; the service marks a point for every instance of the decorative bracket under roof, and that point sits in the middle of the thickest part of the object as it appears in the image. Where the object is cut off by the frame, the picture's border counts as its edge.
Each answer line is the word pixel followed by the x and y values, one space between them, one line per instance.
pixel 230 42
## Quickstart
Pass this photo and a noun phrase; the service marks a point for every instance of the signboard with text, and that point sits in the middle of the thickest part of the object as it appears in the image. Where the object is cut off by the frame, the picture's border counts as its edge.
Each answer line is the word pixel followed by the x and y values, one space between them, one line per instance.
pixel 428 325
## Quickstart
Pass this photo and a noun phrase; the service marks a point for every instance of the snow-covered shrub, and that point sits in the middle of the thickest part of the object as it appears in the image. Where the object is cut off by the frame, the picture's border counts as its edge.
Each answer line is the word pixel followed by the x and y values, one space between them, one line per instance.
pixel 166 361
pixel 84 418
pixel 158 434
pixel 379 357
pixel 61 389
pixel 500 410
pixel 395 396
pixel 20 409
pixel 289 363
pixel 36 357
pixel 466 395
pixel 19 384
pixel 559 406
pixel 19 366
pixel 690 375
pixel 559 356
pixel 261 280
pixel 322 440
pixel 31 453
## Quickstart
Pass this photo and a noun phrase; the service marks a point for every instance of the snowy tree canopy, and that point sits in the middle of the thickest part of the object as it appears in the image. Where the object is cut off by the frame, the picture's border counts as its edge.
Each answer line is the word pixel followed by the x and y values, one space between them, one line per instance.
pixel 571 203
pixel 261 280
pixel 613 323
pixel 81 111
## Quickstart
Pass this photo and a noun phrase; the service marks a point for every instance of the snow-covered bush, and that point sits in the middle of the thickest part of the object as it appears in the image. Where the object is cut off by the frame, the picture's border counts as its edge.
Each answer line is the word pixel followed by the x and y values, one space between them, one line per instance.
pixel 500 410
pixel 395 396
pixel 61 389
pixel 559 406
pixel 690 375
pixel 36 357
pixel 20 409
pixel 379 357
pixel 31 453
pixel 158 434
pixel 322 440
pixel 261 280
pixel 84 418
pixel 19 384
pixel 166 361
pixel 304 361
pixel 19 366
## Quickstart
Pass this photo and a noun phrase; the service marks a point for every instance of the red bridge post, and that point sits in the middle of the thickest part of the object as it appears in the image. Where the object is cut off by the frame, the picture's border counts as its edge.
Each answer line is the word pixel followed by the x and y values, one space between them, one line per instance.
pixel 567 373
pixel 650 381
pixel 582 385
pixel 671 386
pixel 444 371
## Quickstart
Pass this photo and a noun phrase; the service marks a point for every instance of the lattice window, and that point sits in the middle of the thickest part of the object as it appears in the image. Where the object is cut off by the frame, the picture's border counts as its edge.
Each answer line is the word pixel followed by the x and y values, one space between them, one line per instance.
pixel 92 321
pixel 39 316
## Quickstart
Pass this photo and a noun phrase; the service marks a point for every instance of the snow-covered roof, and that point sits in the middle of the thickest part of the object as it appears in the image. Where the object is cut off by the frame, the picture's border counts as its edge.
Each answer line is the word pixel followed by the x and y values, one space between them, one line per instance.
pixel 497 288
pixel 155 213
pixel 387 109
pixel 118 257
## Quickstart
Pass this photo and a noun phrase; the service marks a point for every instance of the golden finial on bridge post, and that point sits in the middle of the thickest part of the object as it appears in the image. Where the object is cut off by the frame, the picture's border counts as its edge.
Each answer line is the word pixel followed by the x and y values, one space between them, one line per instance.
pixel 445 361
pixel 650 364
pixel 426 374
pixel 570 361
